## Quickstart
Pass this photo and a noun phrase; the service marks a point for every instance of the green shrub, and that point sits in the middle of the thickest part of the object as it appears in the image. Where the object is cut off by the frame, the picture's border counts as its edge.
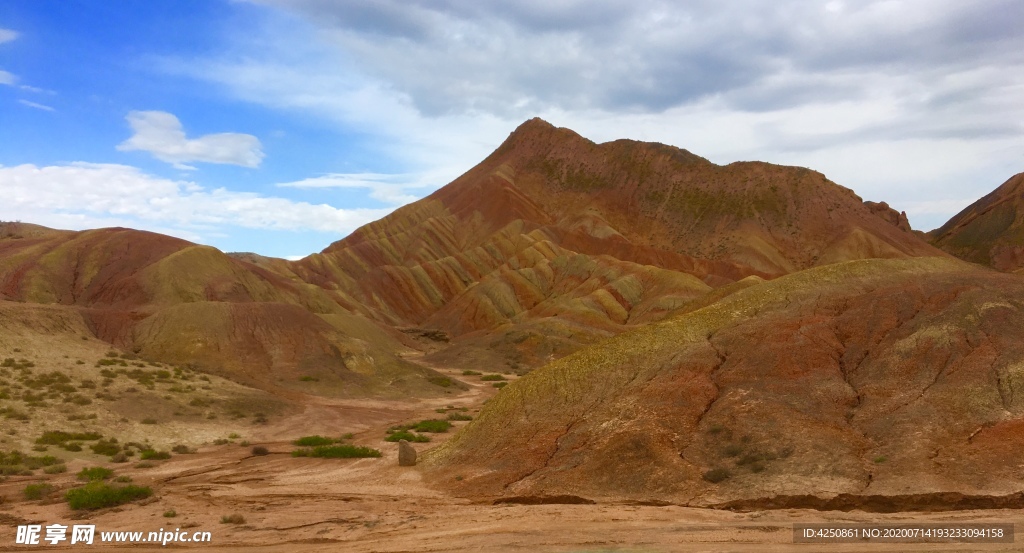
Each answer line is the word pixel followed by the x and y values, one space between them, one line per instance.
pixel 260 450
pixel 170 514
pixel 232 519
pixel 151 454
pixel 96 495
pixel 500 385
pixel 58 437
pixel 459 417
pixel 716 475
pixel 492 377
pixel 312 441
pixel 55 469
pixel 442 381
pixel 432 425
pixel 182 449
pixel 343 451
pixel 471 373
pixel 91 474
pixel 37 491
pixel 407 436
pixel 105 448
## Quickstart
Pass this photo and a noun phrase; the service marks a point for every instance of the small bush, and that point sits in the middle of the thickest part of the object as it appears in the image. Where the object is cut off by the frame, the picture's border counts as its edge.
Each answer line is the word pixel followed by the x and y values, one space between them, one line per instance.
pixel 221 441
pixel 151 454
pixel 432 425
pixel 232 519
pixel 119 457
pixel 59 437
pixel 442 381
pixel 459 417
pixel 55 469
pixel 492 377
pixel 881 459
pixel 145 465
pixel 92 474
pixel 37 491
pixel 313 441
pixel 96 495
pixel 500 385
pixel 337 452
pixel 170 514
pixel 260 450
pixel 407 436
pixel 123 479
pixel 732 450
pixel 148 421
pixel 471 373
pixel 182 449
pixel 105 448
pixel 233 436
pixel 716 475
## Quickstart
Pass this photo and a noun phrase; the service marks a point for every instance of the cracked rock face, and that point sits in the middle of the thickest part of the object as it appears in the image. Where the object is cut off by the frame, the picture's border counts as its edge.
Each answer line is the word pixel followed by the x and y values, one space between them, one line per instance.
pixel 878 378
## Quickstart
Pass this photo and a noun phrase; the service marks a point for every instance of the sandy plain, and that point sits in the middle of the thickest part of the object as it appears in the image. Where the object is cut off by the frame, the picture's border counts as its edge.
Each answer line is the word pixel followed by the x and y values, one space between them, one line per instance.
pixel 373 505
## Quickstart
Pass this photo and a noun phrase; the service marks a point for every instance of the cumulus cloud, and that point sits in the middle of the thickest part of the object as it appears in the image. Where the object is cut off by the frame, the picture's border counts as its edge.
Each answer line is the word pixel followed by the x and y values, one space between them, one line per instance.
pixel 7 35
pixel 901 101
pixel 161 134
pixel 85 195
pixel 7 78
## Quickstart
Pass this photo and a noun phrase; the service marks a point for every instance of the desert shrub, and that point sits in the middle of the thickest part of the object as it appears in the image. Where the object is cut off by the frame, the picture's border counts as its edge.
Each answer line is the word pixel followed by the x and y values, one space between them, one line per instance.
pixel 98 494
pixel 442 381
pixel 308 378
pixel 145 465
pixel 58 437
pixel 407 436
pixel 432 425
pixel 492 377
pixel 500 385
pixel 221 441
pixel 233 436
pixel 120 457
pixel 148 421
pixel 750 458
pixel 55 469
pixel 124 479
pixel 232 519
pixel 732 450
pixel 716 475
pixel 758 466
pixel 471 373
pixel 459 417
pixel 37 491
pixel 312 441
pixel 881 459
pixel 260 450
pixel 72 446
pixel 344 451
pixel 90 474
pixel 105 448
pixel 170 514
pixel 182 449
pixel 152 454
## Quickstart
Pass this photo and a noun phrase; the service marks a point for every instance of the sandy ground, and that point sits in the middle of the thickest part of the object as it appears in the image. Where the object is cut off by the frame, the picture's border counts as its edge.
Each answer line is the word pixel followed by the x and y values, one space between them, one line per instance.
pixel 373 505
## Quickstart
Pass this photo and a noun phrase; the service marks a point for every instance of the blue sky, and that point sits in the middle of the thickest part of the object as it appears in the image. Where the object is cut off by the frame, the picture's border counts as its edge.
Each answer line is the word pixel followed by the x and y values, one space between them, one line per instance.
pixel 279 126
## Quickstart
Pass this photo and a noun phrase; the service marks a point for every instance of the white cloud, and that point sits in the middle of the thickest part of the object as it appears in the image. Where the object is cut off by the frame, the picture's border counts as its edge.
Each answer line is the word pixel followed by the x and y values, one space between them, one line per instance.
pixel 7 35
pixel 87 195
pixel 387 188
pixel 35 105
pixel 7 78
pixel 161 134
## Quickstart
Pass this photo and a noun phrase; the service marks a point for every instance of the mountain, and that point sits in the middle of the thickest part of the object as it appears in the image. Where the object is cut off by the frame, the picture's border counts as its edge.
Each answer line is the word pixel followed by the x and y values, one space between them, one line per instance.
pixel 895 379
pixel 990 231
pixel 483 253
pixel 178 302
